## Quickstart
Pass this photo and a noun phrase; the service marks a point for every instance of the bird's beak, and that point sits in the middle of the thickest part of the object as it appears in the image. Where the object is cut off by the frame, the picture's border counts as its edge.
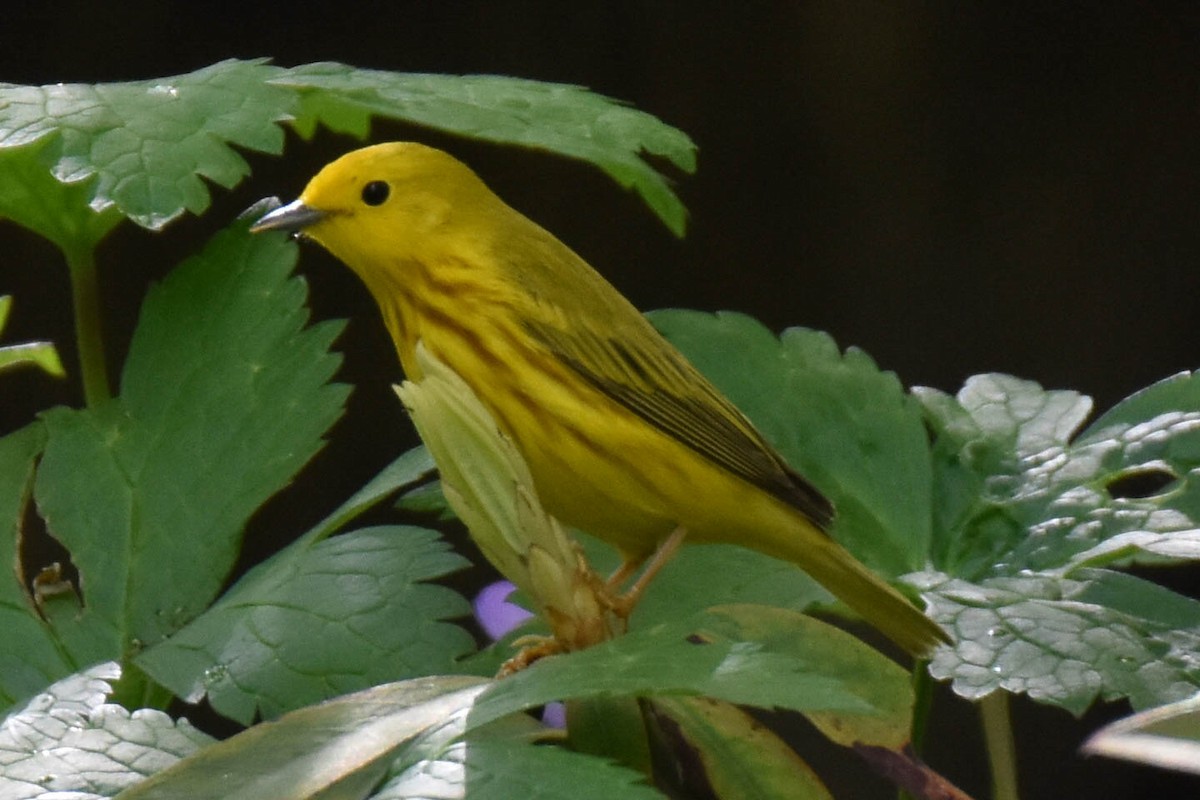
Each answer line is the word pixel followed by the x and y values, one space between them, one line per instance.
pixel 293 217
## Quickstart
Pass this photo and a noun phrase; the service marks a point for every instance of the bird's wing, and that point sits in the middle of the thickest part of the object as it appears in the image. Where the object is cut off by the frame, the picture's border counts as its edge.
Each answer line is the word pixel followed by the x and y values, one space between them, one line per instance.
pixel 634 366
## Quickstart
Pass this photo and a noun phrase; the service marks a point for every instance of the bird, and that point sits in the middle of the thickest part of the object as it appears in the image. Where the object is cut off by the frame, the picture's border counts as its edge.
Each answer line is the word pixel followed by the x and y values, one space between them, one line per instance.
pixel 624 437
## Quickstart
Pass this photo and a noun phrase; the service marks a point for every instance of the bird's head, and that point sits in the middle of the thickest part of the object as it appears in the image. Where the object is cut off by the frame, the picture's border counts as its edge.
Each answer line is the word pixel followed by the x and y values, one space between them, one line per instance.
pixel 387 203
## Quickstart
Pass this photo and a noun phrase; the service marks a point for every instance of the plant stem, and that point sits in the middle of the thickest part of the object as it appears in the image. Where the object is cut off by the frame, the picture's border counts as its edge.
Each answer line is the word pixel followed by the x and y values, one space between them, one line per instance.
pixel 1001 749
pixel 85 295
pixel 922 702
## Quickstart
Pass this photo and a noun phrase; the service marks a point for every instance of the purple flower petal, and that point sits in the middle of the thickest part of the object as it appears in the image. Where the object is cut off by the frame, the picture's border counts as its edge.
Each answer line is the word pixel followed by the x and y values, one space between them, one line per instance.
pixel 554 715
pixel 496 615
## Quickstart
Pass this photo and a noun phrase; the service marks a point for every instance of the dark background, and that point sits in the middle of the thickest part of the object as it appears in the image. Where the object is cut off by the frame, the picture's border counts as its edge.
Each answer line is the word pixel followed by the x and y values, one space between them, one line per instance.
pixel 955 188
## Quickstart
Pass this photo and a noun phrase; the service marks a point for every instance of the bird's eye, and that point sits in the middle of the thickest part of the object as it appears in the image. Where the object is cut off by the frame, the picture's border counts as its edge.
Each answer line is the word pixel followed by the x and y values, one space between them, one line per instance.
pixel 375 193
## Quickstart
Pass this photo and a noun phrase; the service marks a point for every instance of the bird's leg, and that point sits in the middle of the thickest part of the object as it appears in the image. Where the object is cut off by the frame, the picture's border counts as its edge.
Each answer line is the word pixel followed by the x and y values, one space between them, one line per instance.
pixel 608 593
pixel 623 604
pixel 621 574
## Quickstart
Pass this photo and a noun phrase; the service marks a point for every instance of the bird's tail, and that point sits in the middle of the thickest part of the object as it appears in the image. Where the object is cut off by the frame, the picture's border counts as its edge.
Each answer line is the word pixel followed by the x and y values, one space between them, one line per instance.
pixel 871 597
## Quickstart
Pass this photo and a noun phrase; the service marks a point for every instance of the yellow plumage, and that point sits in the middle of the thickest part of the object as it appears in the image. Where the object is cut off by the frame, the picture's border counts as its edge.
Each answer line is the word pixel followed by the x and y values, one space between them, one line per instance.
pixel 623 437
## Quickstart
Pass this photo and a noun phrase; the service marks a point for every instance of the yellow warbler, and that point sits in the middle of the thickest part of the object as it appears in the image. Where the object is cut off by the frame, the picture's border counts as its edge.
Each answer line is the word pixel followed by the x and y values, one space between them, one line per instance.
pixel 623 436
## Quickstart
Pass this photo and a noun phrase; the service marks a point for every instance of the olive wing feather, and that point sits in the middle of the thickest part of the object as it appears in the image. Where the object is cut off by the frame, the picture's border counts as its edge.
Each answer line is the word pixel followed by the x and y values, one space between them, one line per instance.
pixel 646 375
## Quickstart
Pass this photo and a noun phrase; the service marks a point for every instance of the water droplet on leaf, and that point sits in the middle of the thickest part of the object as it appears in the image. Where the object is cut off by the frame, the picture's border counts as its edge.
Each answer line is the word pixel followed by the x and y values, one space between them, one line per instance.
pixel 215 674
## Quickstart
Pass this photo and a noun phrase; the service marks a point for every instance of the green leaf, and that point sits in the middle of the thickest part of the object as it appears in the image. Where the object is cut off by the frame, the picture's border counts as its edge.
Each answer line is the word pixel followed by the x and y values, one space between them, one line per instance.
pixel 747 654
pixel 30 656
pixel 1009 437
pixel 254 653
pixel 411 468
pixel 563 119
pixel 77 158
pixel 1050 498
pixel 70 742
pixel 33 198
pixel 83 497
pixel 141 147
pixel 1167 736
pixel 1066 640
pixel 427 499
pixel 720 750
pixel 760 656
pixel 224 397
pixel 1033 506
pixel 1178 392
pixel 835 416
pixel 750 655
pixel 38 354
pixel 342 745
pixel 320 618
pixel 499 769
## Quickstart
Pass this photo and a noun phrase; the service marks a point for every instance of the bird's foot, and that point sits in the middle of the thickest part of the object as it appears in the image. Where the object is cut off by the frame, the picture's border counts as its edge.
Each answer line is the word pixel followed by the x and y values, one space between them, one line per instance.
pixel 622 604
pixel 533 648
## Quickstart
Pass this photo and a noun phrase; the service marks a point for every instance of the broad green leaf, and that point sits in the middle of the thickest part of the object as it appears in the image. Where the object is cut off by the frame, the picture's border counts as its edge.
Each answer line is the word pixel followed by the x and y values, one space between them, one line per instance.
pixel 563 119
pixel 38 354
pixel 224 397
pixel 1167 736
pixel 30 658
pixel 1049 495
pixel 999 431
pixel 500 769
pixel 141 147
pixel 1153 433
pixel 750 655
pixel 754 655
pixel 721 750
pixel 1066 640
pixel 32 197
pixel 339 748
pixel 1033 506
pixel 322 617
pixel 226 654
pixel 1177 392
pixel 837 418
pixel 77 158
pixel 69 742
